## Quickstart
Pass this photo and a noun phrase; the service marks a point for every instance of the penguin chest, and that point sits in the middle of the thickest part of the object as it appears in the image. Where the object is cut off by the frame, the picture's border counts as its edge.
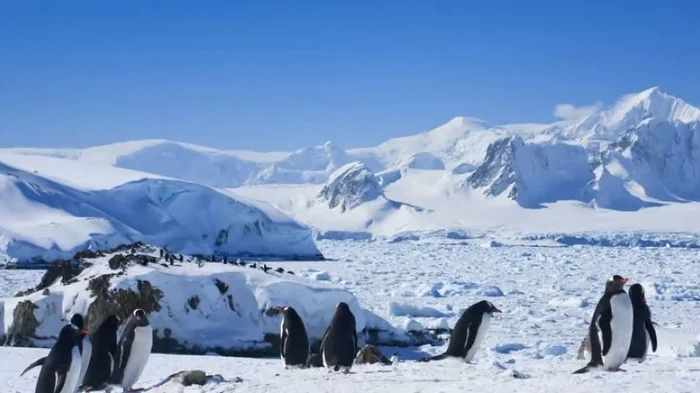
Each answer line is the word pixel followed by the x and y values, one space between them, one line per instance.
pixel 85 357
pixel 138 357
pixel 621 326
pixel 479 339
pixel 71 381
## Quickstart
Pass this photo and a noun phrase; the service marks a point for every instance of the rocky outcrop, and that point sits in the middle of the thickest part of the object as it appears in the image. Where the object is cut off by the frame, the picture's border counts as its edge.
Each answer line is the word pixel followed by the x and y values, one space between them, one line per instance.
pixel 120 302
pixel 350 186
pixel 532 173
pixel 24 324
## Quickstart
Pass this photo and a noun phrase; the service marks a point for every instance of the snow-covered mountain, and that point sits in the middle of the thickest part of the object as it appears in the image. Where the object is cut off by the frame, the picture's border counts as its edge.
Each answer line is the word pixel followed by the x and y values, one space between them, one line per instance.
pixel 640 152
pixel 52 208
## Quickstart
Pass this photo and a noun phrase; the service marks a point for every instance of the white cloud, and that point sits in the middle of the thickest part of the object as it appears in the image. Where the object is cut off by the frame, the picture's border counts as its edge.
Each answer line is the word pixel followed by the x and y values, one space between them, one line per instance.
pixel 575 113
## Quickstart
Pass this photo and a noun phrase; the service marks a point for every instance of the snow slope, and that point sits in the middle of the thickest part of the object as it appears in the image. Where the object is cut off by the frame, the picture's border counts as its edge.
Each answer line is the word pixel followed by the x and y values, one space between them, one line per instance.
pixel 51 208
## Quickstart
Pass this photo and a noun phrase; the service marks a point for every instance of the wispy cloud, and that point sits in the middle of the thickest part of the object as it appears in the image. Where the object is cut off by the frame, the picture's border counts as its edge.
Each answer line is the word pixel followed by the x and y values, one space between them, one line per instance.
pixel 575 113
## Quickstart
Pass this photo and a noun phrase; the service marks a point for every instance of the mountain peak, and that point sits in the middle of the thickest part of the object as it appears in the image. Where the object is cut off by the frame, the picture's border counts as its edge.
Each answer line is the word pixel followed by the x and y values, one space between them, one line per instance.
pixel 650 103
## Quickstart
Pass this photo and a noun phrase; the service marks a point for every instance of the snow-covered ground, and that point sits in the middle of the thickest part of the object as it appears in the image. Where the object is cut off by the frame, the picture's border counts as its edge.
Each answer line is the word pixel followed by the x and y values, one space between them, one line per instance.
pixel 547 295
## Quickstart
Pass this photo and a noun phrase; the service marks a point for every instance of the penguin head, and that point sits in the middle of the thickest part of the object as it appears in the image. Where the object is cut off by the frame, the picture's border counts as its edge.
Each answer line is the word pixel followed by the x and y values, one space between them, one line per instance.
pixel 140 318
pixel 615 283
pixel 637 294
pixel 69 334
pixel 488 307
pixel 78 322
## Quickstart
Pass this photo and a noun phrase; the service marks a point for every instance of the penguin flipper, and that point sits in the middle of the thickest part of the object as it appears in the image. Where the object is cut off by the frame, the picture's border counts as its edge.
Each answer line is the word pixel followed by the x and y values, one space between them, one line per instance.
pixel 283 343
pixel 38 362
pixel 606 330
pixel 652 333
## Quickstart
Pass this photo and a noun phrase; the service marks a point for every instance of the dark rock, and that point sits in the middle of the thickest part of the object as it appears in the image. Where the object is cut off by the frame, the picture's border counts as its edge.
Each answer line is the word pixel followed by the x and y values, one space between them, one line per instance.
pixel 119 301
pixel 279 270
pixel 117 262
pixel 231 304
pixel 193 302
pixel 87 254
pixel 369 354
pixel 195 377
pixel 23 326
pixel 46 292
pixel 290 272
pixel 222 286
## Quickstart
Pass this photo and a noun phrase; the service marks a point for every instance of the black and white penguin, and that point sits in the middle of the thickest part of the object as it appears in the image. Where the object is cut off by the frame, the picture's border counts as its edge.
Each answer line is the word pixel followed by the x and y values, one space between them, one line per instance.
pixel 469 332
pixel 294 342
pixel 339 343
pixel 133 351
pixel 104 354
pixel 60 370
pixel 85 344
pixel 610 330
pixel 643 332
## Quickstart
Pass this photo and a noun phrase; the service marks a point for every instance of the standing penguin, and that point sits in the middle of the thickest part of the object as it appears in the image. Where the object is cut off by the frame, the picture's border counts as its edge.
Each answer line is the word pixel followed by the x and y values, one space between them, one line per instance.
pixel 469 332
pixel 643 331
pixel 133 351
pixel 610 330
pixel 339 343
pixel 85 345
pixel 104 354
pixel 60 370
pixel 294 342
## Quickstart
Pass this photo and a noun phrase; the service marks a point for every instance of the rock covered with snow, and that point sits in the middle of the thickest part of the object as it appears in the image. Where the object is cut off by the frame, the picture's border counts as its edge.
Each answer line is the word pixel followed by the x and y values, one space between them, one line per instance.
pixel 350 186
pixel 216 307
pixel 531 173
pixel 51 208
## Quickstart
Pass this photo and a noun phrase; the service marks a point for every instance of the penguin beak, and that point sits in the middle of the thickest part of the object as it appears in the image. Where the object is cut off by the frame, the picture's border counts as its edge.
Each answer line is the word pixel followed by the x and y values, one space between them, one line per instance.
pixel 644 300
pixel 84 331
pixel 497 310
pixel 624 280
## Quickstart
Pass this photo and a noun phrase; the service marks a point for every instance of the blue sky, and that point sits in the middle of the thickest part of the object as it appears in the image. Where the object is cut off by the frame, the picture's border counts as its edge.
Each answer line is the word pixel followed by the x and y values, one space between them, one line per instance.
pixel 281 75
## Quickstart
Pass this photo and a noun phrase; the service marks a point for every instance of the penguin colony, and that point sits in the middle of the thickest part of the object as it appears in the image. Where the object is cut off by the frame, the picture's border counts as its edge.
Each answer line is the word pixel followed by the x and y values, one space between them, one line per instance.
pixel 621 329
pixel 80 363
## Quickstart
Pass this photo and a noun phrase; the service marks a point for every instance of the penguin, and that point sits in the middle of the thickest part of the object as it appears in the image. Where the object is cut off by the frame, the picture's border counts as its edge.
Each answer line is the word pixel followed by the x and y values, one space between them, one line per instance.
pixel 60 370
pixel 610 330
pixel 104 354
pixel 133 351
pixel 339 343
pixel 85 345
pixel 294 342
pixel 643 332
pixel 469 332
